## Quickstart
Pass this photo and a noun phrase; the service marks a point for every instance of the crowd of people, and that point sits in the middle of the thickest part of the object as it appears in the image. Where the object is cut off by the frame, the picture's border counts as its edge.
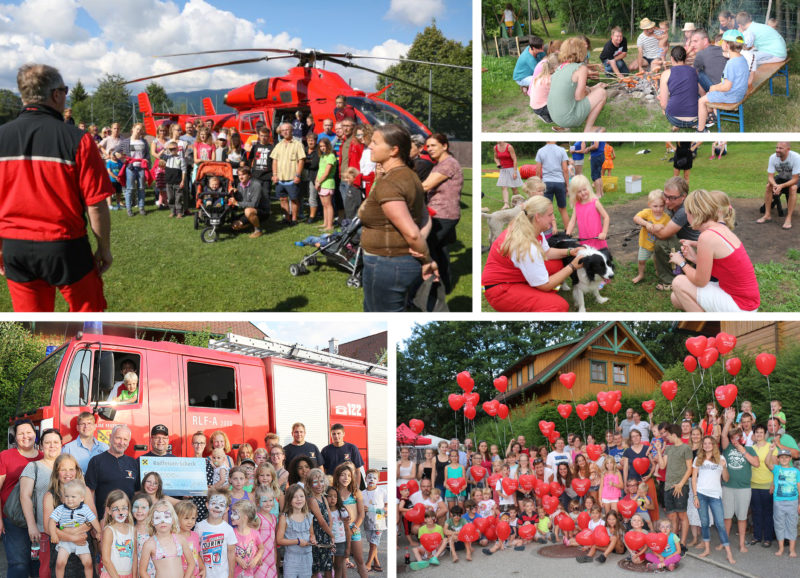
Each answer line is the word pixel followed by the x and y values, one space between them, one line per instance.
pixel 68 507
pixel 674 478
pixel 701 71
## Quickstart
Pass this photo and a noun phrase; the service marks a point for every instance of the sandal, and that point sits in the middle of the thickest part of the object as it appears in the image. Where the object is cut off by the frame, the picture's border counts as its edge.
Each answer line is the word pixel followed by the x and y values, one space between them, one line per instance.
pixel 378 568
pixel 349 564
pixel 664 287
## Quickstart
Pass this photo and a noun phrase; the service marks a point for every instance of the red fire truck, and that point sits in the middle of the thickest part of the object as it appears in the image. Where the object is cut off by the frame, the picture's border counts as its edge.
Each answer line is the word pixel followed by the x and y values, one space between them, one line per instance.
pixel 242 386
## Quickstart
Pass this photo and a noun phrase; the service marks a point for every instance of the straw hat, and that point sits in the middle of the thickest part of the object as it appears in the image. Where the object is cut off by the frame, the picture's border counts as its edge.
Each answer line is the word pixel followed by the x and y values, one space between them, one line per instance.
pixel 689 27
pixel 646 24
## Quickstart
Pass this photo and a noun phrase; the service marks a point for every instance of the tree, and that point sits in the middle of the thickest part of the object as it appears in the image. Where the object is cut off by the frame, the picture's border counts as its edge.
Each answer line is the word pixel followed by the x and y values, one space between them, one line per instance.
pixel 447 117
pixel 77 93
pixel 112 102
pixel 158 97
pixel 10 105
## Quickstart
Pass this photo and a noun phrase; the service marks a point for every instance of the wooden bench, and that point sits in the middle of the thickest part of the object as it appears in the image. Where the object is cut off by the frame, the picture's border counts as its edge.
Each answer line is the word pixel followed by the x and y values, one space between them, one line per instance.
pixel 735 110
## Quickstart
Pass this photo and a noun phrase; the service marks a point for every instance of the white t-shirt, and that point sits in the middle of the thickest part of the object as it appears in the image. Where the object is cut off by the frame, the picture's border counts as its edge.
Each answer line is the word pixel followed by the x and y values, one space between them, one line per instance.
pixel 416 498
pixel 709 477
pixel 643 428
pixel 532 265
pixel 504 499
pixel 214 542
pixel 648 46
pixel 375 500
pixel 337 525
pixel 554 458
pixel 508 16
pixel 593 524
pixel 784 169
pixel 486 508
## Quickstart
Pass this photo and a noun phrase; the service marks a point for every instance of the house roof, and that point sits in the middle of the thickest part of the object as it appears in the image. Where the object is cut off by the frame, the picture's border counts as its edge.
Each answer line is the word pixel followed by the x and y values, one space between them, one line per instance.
pixel 368 348
pixel 571 349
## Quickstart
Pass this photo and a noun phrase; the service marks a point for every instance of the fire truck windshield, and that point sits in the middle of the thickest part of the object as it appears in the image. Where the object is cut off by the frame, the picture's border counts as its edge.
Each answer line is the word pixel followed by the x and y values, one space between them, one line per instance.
pixel 37 390
pixel 378 113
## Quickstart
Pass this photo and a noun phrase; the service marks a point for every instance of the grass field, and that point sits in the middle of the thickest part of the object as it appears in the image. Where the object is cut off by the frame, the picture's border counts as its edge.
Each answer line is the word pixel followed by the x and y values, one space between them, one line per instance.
pixel 506 109
pixel 742 174
pixel 161 264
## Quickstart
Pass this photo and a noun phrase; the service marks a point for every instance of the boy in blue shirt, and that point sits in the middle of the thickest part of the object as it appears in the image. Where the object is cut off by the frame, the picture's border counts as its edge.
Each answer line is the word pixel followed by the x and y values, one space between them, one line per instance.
pixel 785 491
pixel 113 167
pixel 735 77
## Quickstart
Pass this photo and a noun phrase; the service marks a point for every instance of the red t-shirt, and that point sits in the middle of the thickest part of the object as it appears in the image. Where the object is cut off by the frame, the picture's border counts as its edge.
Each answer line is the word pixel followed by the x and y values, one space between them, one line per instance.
pixel 11 465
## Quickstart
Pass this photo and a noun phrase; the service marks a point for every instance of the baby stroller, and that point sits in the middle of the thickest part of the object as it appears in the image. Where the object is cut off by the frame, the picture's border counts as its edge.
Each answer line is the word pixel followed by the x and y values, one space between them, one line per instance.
pixel 213 209
pixel 342 251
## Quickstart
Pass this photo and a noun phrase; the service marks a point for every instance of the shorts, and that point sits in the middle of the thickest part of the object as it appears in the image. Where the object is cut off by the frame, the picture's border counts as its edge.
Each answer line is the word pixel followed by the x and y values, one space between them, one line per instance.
pixel 644 254
pixel 559 191
pixel 544 114
pixel 356 533
pixel 597 167
pixel 604 501
pixel 577 162
pixel 325 192
pixel 73 548
pixel 713 299
pixel 287 189
pixel 679 504
pixel 373 536
pixel 735 502
pixel 525 81
pixel 341 548
pixel 676 122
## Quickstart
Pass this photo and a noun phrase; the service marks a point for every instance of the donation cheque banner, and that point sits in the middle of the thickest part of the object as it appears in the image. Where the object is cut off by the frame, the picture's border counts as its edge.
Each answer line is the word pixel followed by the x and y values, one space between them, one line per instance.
pixel 180 476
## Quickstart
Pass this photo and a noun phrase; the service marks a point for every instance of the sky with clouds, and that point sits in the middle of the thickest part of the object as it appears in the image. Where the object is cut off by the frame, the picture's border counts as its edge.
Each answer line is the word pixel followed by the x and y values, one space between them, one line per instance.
pixel 317 333
pixel 85 39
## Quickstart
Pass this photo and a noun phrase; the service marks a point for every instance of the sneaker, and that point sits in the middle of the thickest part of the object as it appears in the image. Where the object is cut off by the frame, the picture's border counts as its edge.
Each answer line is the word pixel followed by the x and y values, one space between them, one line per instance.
pixel 434 560
pixel 601 558
pixel 650 567
pixel 114 207
pixel 255 234
pixel 141 212
pixel 418 565
pixel 542 541
pixel 130 213
pixel 519 548
pixel 487 552
pixel 552 538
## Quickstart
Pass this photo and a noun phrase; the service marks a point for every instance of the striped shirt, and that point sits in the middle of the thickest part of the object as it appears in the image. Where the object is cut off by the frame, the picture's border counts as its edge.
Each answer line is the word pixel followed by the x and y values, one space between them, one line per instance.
pixel 66 518
pixel 648 46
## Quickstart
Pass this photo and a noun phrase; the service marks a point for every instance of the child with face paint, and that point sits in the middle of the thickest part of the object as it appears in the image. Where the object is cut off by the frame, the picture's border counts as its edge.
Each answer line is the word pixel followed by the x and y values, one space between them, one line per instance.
pixel 345 483
pixel 217 538
pixel 118 537
pixel 295 532
pixel 266 477
pixel 238 479
pixel 169 551
pixel 187 518
pixel 70 514
pixel 340 524
pixel 322 553
pixel 375 503
pixel 249 549
pixel 266 531
pixel 142 502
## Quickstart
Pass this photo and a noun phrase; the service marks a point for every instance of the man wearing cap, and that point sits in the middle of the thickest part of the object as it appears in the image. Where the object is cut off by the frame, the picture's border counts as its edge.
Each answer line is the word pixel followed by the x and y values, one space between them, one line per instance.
pixel 768 44
pixel 159 442
pixel 709 60
pixel 785 508
pixel 649 49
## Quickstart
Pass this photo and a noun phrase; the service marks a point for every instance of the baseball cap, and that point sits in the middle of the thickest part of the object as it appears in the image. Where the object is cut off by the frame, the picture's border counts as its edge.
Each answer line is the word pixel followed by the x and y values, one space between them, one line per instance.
pixel 784 452
pixel 733 36
pixel 247 461
pixel 159 429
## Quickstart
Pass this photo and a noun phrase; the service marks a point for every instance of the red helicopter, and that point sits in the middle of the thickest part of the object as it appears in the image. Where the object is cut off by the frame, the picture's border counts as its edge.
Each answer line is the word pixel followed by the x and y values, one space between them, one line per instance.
pixel 305 88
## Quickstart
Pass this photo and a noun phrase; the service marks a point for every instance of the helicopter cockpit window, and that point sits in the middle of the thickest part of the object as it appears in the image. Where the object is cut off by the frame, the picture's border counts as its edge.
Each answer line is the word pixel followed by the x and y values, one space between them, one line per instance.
pixel 249 122
pixel 378 114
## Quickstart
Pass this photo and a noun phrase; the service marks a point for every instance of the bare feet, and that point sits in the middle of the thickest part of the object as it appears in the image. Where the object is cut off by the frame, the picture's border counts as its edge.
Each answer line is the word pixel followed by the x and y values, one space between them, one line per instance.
pixel 743 548
pixel 720 547
pixel 455 558
pixel 636 279
pixel 701 545
pixel 792 554
pixel 730 559
pixel 469 558
pixel 779 552
pixel 704 553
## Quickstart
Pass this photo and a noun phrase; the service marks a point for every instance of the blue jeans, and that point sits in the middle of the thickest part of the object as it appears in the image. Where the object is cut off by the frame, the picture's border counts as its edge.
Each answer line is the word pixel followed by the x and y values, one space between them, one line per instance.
pixel 18 551
pixel 715 504
pixel 621 66
pixel 704 80
pixel 681 123
pixel 134 178
pixel 387 282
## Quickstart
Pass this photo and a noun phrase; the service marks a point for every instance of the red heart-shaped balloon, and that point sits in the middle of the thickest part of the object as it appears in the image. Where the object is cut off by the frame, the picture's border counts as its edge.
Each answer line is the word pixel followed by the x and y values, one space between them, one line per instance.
pixel 430 541
pixel 465 381
pixel 711 342
pixel 503 530
pixel 565 523
pixel 582 411
pixel 593 407
pixel 649 405
pixel 765 363
pixel 696 345
pixel 501 384
pixel 708 358
pixel 635 540
pixel 491 530
pixel 540 487
pixel 478 473
pixel 725 342
pixel 616 407
pixel 546 427
pixel 567 379
pixel 584 538
pixel 626 507
pixel 550 504
pixel 656 541
pixel 509 485
pixel 413 487
pixel 469 533
pixel 669 389
pixel 526 483
pixel 416 425
pixel 456 401
pixel 583 520
pixel 469 411
pixel 482 524
pixel 581 486
pixel 527 531
pixel 564 410
pixel 456 485
pixel 556 489
pixel 493 479
pixel 604 399
pixel 472 397
pixel 594 451
pixel 489 408
pixel 690 363
pixel 617 394
pixel 641 465
pixel 502 411
pixel 416 515
pixel 600 536
pixel 554 435
pixel 726 394
pixel 733 365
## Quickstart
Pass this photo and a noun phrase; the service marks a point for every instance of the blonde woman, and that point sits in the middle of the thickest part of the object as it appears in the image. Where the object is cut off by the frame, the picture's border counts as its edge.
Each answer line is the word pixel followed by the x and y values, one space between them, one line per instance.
pixel 718 253
pixel 570 102
pixel 708 470
pixel 522 270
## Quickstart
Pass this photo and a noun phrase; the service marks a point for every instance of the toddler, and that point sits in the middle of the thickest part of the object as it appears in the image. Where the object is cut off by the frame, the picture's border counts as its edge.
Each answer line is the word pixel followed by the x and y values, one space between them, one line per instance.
pixel 130 389
pixel 588 214
pixel 544 527
pixel 487 505
pixel 113 167
pixel 213 194
pixel 647 218
pixel 221 465
pixel 775 408
pixel 644 504
pixel 72 513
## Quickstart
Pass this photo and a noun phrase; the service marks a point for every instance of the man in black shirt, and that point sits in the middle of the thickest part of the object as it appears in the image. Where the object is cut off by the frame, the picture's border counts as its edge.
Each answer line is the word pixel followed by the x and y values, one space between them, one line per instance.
pixel 300 447
pixel 614 52
pixel 340 451
pixel 113 470
pixel 261 167
pixel 159 443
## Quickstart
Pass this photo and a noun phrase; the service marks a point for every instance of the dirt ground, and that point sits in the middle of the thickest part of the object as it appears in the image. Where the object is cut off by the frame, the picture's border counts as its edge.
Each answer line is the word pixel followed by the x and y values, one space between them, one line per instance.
pixel 764 243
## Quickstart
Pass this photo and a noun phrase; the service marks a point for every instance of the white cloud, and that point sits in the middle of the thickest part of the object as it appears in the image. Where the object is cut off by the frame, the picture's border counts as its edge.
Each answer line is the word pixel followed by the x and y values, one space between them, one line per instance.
pixel 416 12
pixel 317 333
pixel 52 19
pixel 361 79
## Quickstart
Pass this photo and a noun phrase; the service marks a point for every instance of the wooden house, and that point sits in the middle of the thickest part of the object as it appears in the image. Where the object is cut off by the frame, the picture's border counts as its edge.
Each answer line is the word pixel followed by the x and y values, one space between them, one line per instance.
pixel 752 336
pixel 606 358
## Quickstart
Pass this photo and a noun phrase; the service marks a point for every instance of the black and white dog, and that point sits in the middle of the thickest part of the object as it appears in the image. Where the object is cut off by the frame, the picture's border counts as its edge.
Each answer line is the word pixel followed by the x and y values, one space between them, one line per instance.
pixel 598 268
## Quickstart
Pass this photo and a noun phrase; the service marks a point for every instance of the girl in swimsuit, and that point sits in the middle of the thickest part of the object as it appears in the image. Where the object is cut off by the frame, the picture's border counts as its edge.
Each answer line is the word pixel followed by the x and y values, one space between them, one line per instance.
pixel 169 550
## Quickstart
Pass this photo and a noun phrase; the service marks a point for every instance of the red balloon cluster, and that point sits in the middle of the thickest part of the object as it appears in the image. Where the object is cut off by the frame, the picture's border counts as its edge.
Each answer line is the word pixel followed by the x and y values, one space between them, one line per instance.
pixel 548 429
pixel 610 400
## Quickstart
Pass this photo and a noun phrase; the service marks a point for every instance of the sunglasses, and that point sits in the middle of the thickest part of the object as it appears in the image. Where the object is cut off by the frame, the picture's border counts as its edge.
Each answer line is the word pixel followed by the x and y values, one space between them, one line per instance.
pixel 537 461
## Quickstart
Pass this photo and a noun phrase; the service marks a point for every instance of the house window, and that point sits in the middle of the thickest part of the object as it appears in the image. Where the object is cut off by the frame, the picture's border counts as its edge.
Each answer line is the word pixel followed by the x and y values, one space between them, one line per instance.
pixel 519 378
pixel 530 372
pixel 620 374
pixel 598 371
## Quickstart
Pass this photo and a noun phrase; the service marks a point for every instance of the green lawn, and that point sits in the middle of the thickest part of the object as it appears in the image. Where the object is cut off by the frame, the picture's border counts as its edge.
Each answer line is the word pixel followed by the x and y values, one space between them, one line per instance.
pixel 161 264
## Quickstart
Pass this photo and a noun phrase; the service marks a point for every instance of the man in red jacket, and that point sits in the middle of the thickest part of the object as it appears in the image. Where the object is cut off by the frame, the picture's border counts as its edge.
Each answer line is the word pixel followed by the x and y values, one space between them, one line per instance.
pixel 51 179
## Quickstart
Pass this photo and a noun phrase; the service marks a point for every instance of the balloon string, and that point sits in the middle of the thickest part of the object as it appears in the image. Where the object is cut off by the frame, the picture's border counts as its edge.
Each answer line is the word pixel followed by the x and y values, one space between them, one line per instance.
pixel 673 410
pixel 455 420
pixel 770 397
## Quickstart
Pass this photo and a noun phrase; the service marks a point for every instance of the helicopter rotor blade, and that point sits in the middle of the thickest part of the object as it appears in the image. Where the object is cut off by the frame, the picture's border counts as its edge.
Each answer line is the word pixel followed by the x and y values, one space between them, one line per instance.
pixel 397 79
pixel 232 62
pixel 275 50
pixel 409 60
